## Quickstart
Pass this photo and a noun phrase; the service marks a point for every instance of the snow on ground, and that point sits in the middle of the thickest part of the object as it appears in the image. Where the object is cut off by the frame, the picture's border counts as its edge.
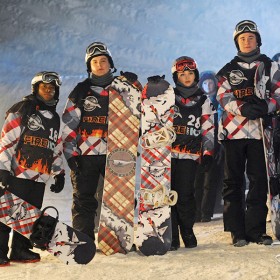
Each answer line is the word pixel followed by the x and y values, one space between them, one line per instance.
pixel 214 258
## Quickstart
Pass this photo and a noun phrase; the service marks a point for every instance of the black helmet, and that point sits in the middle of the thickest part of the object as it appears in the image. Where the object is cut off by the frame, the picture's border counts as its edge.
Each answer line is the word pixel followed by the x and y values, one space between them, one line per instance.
pixel 46 77
pixel 97 49
pixel 246 26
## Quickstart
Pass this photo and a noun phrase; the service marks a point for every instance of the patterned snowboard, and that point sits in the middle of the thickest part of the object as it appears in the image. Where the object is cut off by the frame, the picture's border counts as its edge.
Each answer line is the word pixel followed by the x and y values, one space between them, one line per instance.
pixel 271 165
pixel 273 175
pixel 68 245
pixel 153 234
pixel 116 226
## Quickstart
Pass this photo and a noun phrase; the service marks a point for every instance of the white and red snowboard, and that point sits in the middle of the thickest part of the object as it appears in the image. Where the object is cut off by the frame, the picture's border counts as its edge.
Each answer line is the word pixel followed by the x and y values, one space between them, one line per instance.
pixel 153 235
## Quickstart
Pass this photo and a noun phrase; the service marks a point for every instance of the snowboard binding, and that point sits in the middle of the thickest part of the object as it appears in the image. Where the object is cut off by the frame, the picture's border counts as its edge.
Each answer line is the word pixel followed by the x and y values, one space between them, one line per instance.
pixel 158 196
pixel 43 230
pixel 161 138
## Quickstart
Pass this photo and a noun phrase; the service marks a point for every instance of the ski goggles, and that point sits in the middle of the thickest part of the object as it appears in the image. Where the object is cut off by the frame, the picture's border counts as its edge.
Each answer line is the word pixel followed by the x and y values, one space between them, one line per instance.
pixel 182 65
pixel 249 25
pixel 47 77
pixel 93 48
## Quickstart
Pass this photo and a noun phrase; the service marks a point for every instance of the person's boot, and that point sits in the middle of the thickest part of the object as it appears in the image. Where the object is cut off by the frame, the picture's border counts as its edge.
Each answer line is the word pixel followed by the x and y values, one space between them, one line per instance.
pixel 24 255
pixel 4 261
pixel 4 249
pixel 189 239
pixel 21 250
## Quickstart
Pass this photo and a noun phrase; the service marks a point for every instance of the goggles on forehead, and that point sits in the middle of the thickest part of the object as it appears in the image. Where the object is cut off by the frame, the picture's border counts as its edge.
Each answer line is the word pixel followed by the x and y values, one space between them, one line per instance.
pixel 96 47
pixel 251 26
pixel 47 77
pixel 182 65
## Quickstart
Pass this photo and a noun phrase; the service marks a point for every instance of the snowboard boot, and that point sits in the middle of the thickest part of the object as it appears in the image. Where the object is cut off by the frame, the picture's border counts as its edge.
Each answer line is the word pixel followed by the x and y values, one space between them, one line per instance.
pixel 262 239
pixel 20 250
pixel 189 239
pixel 4 261
pixel 238 240
pixel 175 245
pixel 24 255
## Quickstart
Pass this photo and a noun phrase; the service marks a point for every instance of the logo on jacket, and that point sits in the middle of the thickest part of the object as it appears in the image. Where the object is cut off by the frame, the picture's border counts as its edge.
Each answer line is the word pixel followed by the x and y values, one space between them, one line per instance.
pixel 35 123
pixel 177 112
pixel 236 77
pixel 91 103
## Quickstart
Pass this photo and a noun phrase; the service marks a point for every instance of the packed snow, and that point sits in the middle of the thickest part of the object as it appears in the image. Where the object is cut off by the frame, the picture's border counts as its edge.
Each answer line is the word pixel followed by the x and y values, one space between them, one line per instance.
pixel 144 37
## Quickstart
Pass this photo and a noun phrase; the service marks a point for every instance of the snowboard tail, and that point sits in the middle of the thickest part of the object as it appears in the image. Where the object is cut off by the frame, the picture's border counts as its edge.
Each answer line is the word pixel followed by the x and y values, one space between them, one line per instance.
pixel 67 244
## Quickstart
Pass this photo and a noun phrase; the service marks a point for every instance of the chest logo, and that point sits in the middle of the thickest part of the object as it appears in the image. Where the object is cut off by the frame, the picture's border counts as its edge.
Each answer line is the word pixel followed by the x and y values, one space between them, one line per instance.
pixel 91 103
pixel 35 123
pixel 236 77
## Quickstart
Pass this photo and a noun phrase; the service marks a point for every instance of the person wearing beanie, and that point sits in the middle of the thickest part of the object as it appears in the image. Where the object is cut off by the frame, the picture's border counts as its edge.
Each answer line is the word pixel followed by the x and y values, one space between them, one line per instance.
pixel 240 132
pixel 194 144
pixel 30 154
pixel 84 136
pixel 276 58
pixel 208 185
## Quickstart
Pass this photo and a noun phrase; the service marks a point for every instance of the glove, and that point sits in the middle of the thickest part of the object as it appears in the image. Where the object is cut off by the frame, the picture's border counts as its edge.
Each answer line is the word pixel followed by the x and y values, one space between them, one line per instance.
pixel 274 184
pixel 206 162
pixel 4 178
pixel 59 183
pixel 73 164
pixel 131 77
pixel 254 111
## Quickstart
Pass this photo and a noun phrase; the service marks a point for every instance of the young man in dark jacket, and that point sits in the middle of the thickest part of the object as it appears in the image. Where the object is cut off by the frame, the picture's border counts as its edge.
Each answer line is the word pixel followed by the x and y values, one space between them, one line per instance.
pixel 241 134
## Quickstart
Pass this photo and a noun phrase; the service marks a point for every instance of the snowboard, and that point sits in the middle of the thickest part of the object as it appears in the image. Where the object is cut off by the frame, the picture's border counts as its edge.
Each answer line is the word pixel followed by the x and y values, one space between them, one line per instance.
pixel 116 224
pixel 68 245
pixel 270 127
pixel 153 233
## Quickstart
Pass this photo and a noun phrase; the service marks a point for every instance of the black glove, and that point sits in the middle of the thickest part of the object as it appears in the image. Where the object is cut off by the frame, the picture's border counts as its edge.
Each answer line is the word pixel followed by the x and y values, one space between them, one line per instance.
pixel 73 164
pixel 254 111
pixel 4 177
pixel 131 77
pixel 59 183
pixel 206 162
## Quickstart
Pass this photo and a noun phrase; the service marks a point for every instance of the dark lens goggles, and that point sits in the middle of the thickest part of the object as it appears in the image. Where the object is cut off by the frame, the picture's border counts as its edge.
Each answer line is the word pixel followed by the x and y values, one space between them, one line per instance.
pixel 182 65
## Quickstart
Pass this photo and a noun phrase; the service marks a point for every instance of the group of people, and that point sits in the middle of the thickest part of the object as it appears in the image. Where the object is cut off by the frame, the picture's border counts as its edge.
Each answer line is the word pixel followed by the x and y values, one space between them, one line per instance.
pixel 222 132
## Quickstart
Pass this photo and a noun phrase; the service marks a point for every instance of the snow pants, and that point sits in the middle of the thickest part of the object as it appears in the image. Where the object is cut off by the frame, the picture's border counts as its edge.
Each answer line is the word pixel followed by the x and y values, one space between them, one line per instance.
pixel 240 156
pixel 182 181
pixel 85 183
pixel 30 191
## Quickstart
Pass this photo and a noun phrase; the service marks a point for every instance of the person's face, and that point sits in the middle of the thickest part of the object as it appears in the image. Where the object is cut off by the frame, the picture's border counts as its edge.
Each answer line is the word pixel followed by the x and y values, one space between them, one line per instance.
pixel 208 86
pixel 247 42
pixel 100 65
pixel 186 77
pixel 46 91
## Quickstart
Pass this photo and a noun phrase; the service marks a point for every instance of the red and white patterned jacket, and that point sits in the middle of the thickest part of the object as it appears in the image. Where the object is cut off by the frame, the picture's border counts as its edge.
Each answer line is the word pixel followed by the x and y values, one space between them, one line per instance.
pixel 233 86
pixel 31 146
pixel 85 121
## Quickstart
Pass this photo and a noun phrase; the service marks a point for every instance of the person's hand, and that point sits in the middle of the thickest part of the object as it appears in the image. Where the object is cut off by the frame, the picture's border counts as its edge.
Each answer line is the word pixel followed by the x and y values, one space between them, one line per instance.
pixel 206 162
pixel 59 183
pixel 4 177
pixel 254 111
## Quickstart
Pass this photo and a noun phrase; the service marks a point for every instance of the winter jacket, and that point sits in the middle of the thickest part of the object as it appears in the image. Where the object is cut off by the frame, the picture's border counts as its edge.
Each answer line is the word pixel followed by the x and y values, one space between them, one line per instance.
pixel 194 126
pixel 30 145
pixel 85 121
pixel 237 81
